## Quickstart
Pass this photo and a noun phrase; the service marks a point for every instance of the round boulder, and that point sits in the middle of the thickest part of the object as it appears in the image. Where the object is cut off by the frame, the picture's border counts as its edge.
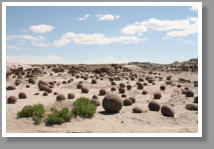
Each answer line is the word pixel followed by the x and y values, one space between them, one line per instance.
pixel 122 90
pixel 22 95
pixel 127 102
pixel 60 97
pixel 167 111
pixel 154 106
pixel 192 107
pixel 137 110
pixel 162 87
pixel 71 96
pixel 112 103
pixel 102 92
pixel 189 93
pixel 157 95
pixel 85 90
pixel 95 102
pixel 11 99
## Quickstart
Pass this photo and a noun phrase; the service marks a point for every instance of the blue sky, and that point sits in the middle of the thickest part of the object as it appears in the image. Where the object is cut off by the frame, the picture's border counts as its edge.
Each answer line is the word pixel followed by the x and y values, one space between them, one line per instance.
pixel 101 34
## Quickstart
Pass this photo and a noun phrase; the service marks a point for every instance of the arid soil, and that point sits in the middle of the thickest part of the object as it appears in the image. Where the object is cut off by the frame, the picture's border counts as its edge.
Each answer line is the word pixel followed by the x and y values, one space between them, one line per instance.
pixel 178 78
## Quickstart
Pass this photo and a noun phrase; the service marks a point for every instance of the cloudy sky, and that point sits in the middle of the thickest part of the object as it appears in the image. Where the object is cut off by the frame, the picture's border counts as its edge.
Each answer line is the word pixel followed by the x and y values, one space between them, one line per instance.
pixel 101 34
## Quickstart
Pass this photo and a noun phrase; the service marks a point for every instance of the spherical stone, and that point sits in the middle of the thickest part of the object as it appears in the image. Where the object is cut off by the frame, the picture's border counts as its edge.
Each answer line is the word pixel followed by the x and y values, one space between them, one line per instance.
pixel 79 86
pixel 93 81
pixel 167 111
pixel 196 99
pixel 162 87
pixel 102 92
pixel 192 107
pixel 85 90
pixel 123 95
pixel 144 92
pixel 60 97
pixel 137 110
pixel 129 87
pixel 154 106
pixel 122 90
pixel 45 94
pixel 139 85
pixel 11 99
pixel 11 87
pixel 71 96
pixel 189 93
pixel 22 95
pixel 122 85
pixel 112 103
pixel 127 102
pixel 157 95
pixel 95 102
pixel 113 89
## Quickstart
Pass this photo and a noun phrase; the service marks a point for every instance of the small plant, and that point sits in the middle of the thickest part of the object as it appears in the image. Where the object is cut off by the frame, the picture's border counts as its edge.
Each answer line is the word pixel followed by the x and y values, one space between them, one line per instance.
pixel 35 111
pixel 83 107
pixel 58 117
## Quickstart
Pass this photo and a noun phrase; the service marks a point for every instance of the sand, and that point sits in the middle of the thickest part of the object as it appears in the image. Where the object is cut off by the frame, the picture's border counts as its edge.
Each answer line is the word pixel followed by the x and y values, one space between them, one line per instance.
pixel 184 121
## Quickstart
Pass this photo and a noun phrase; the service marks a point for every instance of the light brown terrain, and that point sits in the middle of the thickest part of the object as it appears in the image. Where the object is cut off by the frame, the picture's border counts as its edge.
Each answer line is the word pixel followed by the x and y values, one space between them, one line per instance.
pixel 152 76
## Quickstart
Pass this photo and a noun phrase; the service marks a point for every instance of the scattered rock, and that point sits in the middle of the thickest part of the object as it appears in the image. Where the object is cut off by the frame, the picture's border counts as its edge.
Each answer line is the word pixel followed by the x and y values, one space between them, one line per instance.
pixel 95 102
pixel 189 93
pixel 45 94
pixel 154 106
pixel 167 111
pixel 192 107
pixel 11 87
pixel 22 95
pixel 122 90
pixel 127 102
pixel 71 96
pixel 85 90
pixel 162 87
pixel 60 97
pixel 157 95
pixel 137 110
pixel 11 100
pixel 196 99
pixel 112 103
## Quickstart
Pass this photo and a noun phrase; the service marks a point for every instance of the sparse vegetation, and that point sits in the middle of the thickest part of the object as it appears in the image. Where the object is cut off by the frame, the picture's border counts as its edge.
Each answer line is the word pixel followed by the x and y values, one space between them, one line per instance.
pixel 58 117
pixel 35 111
pixel 83 108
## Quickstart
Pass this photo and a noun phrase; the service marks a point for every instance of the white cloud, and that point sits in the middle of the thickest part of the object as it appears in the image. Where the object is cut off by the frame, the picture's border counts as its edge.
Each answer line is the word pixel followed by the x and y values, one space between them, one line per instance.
pixel 176 28
pixel 186 41
pixel 35 40
pixel 84 18
pixel 25 37
pixel 107 17
pixel 98 39
pixel 191 28
pixel 13 47
pixel 52 59
pixel 194 8
pixel 40 44
pixel 42 28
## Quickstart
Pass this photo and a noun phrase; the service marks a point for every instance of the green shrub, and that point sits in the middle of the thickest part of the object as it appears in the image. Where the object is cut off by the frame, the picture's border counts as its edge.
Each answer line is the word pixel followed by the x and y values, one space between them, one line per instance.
pixel 35 111
pixel 83 107
pixel 58 117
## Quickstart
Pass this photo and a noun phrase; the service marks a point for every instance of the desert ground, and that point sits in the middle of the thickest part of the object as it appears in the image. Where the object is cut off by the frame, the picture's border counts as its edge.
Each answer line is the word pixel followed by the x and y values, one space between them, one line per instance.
pixel 180 80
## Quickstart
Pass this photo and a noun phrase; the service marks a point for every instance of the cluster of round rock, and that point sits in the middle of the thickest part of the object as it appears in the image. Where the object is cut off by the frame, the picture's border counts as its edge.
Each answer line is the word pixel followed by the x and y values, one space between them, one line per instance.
pixel 110 105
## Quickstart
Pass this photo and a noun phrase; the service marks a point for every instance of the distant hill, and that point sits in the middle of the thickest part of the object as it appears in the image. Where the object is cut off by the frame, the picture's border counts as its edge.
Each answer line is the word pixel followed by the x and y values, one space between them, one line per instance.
pixel 191 64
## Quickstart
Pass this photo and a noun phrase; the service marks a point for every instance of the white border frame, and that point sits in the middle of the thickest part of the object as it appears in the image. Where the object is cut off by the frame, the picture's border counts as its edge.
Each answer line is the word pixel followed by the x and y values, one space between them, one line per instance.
pixel 5 134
